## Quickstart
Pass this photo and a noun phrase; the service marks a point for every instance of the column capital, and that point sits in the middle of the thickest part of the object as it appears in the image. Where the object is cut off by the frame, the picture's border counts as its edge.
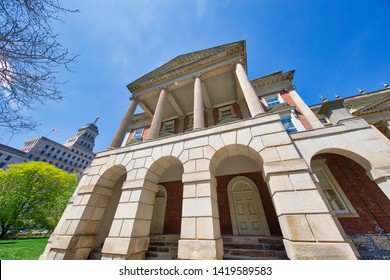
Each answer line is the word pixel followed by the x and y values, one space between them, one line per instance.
pixel 197 75
pixel 237 61
pixel 289 88
pixel 164 87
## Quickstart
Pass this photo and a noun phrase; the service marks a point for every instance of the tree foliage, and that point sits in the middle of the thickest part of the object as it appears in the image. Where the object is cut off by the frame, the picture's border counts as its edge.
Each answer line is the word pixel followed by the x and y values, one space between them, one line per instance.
pixel 30 56
pixel 34 195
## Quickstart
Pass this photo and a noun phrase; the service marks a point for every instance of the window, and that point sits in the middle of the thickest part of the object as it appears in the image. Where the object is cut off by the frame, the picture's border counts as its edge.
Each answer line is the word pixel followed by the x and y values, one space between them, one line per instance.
pixel 291 122
pixel 331 189
pixel 226 112
pixel 289 125
pixel 190 122
pixel 168 127
pixel 8 158
pixel 138 134
pixel 324 120
pixel 273 99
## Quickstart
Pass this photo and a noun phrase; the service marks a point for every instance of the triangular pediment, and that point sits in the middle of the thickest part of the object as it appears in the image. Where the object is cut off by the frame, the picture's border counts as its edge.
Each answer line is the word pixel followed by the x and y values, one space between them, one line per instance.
pixel 380 105
pixel 187 63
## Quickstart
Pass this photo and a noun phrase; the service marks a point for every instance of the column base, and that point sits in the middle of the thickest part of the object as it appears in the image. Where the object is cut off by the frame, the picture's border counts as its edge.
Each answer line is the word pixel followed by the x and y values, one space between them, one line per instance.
pixel 201 249
pixel 318 251
pixel 131 248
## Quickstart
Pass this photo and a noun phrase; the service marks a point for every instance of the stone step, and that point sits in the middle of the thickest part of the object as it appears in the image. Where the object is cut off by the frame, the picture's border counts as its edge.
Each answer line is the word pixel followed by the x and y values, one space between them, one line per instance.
pixel 254 248
pixel 162 247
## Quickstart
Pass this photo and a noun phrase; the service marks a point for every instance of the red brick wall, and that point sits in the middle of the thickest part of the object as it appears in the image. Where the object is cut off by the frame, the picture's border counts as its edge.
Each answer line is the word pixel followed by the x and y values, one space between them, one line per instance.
pixel 223 203
pixel 365 196
pixel 175 196
pixel 287 98
pixel 172 223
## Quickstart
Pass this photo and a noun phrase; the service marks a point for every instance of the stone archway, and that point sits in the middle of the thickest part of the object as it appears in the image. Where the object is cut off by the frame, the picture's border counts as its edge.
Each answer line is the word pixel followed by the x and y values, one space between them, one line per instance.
pixel 87 220
pixel 242 163
pixel 358 203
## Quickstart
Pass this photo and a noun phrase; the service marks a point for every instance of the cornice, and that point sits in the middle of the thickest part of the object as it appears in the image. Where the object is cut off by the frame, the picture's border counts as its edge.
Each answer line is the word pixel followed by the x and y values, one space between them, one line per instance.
pixel 371 109
pixel 139 117
pixel 272 79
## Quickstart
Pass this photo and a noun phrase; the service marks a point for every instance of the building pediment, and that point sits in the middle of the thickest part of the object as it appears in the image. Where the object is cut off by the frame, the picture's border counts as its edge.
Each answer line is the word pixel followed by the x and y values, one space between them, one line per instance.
pixel 187 63
pixel 381 105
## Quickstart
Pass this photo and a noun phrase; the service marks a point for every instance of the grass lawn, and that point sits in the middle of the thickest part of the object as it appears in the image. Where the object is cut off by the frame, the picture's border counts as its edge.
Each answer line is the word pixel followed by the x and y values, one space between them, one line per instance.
pixel 22 249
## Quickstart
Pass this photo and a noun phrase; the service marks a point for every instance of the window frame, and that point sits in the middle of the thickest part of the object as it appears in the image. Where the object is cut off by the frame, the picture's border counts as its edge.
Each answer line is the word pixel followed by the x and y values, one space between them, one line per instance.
pixel 232 114
pixel 294 120
pixel 320 165
pixel 164 127
pixel 272 96
pixel 141 130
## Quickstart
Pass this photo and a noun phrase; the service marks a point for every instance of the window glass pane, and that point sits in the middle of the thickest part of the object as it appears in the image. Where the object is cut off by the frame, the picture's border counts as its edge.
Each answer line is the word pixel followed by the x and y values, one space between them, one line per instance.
pixel 272 101
pixel 288 125
pixel 330 192
pixel 138 134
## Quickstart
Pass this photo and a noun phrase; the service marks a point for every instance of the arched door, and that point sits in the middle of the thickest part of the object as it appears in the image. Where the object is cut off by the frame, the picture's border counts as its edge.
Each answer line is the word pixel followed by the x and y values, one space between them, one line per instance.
pixel 246 208
pixel 158 218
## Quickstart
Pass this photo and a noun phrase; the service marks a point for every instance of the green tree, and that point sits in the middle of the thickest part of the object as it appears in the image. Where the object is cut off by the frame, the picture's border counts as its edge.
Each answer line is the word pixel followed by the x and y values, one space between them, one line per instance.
pixel 33 194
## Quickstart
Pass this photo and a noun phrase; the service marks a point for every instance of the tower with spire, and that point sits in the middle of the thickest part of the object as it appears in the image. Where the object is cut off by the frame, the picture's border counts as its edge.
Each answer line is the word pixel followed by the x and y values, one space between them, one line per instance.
pixel 84 139
pixel 74 156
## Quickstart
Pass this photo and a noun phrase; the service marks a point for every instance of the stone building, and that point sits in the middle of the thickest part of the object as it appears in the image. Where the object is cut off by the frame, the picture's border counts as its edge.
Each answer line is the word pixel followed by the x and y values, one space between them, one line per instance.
pixel 74 156
pixel 222 167
pixel 9 155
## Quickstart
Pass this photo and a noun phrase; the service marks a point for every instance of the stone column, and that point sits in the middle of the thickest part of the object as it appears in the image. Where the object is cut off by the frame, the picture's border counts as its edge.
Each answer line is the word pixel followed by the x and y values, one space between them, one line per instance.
pixel 157 117
pixel 200 237
pixel 128 238
pixel 120 133
pixel 198 104
pixel 308 227
pixel 251 98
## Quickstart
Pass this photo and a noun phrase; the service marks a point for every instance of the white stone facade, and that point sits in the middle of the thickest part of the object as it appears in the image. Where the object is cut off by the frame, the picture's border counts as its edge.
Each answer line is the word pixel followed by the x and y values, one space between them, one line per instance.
pixel 112 207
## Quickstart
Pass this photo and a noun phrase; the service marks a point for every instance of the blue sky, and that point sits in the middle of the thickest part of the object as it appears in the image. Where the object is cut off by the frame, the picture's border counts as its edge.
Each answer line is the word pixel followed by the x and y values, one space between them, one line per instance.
pixel 334 46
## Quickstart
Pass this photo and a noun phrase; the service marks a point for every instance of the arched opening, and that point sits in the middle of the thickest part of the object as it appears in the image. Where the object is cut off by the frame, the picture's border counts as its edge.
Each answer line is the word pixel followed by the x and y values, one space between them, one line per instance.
pixel 360 206
pixel 105 198
pixel 238 163
pixel 169 171
pixel 166 174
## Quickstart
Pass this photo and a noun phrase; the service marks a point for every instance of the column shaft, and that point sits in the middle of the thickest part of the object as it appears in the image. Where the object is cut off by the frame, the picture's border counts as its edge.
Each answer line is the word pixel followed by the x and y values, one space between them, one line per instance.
pixel 120 133
pixel 250 95
pixel 306 111
pixel 198 104
pixel 157 117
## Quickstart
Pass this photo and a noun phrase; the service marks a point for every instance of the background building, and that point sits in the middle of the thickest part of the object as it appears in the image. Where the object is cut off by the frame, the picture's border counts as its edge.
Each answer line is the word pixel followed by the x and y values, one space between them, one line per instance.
pixel 73 157
pixel 221 167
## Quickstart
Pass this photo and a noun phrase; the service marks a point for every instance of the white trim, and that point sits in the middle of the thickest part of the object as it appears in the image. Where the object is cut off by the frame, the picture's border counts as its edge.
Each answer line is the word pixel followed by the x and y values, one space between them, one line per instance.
pixel 294 119
pixel 164 127
pixel 277 95
pixel 135 131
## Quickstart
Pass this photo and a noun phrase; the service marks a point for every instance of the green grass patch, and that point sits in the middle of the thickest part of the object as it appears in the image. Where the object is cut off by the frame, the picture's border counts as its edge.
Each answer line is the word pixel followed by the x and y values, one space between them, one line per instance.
pixel 22 249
